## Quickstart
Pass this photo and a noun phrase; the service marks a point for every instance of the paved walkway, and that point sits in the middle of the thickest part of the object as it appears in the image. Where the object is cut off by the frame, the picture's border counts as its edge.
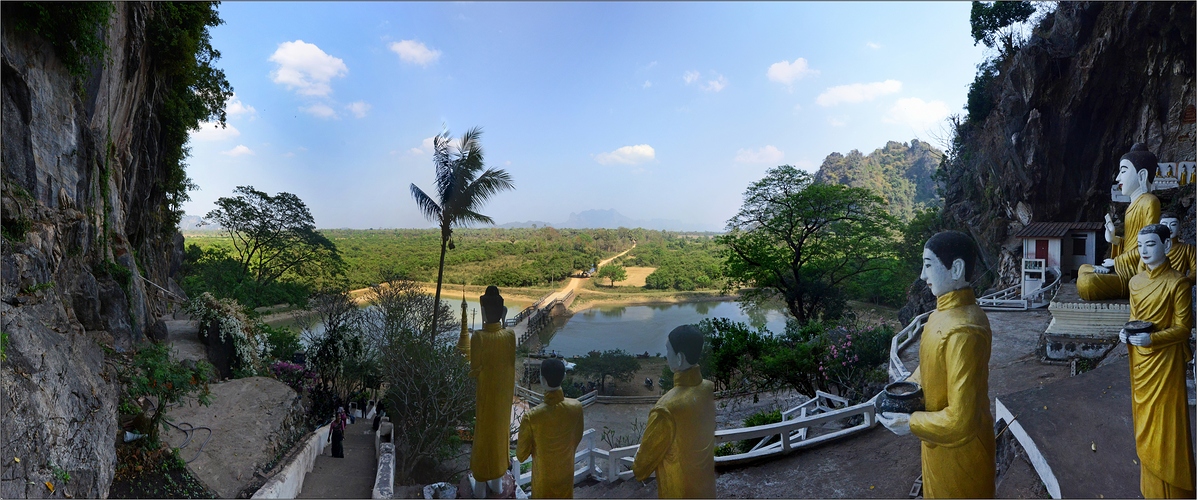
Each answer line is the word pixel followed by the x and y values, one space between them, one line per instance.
pixel 349 477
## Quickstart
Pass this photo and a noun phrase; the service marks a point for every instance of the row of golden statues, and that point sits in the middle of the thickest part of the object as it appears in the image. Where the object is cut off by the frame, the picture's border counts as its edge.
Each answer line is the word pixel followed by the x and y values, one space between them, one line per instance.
pixel 956 427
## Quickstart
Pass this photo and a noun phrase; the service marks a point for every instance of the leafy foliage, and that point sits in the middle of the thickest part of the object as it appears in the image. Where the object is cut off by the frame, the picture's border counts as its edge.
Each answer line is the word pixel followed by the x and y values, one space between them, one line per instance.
pixel 613 272
pixel 802 241
pixel 215 271
pixel 991 22
pixel 683 262
pixel 758 418
pixel 231 322
pixel 155 374
pixel 74 29
pixel 980 92
pixel 616 364
pixel 274 237
pixel 462 187
pixel 900 174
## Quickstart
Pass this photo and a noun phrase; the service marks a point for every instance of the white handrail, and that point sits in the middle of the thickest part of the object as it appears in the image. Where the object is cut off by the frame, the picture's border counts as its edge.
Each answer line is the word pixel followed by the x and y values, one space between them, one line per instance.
pixel 897 369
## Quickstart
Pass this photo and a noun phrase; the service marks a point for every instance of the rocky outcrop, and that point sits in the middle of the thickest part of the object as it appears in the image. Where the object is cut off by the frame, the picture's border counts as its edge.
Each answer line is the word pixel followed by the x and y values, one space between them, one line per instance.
pixel 82 170
pixel 1093 79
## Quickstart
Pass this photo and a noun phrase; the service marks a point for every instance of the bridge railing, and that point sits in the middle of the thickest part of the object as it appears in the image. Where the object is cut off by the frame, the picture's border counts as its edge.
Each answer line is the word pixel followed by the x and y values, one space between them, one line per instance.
pixel 542 317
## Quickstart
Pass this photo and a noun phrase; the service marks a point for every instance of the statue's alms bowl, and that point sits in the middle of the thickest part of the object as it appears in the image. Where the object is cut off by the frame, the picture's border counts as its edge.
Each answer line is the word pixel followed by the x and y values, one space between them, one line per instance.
pixel 900 397
pixel 1133 327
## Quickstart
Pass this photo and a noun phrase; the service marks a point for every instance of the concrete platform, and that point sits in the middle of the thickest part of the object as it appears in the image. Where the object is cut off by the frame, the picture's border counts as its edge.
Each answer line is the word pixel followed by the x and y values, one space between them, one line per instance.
pixel 1083 328
pixel 1078 433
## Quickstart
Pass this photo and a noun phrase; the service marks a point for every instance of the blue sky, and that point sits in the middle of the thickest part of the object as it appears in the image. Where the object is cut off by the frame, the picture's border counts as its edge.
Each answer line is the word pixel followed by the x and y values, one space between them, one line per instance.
pixel 658 110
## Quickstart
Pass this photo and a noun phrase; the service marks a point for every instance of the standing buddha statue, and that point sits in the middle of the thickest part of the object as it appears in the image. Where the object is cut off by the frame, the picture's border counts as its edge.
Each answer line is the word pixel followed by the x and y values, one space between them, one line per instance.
pixel 492 363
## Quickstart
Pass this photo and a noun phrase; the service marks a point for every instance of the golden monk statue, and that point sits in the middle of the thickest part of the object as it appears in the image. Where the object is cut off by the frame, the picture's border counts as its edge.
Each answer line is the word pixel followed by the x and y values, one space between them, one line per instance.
pixel 956 429
pixel 550 434
pixel 463 340
pixel 679 440
pixel 492 363
pixel 1136 172
pixel 1159 400
pixel 1183 256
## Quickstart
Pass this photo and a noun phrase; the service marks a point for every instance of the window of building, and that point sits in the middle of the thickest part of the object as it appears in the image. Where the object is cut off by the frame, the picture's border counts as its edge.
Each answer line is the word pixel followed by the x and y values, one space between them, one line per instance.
pixel 1078 244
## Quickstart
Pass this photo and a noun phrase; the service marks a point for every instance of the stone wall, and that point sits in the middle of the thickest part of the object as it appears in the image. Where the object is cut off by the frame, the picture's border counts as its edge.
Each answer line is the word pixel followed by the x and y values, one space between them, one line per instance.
pixel 81 160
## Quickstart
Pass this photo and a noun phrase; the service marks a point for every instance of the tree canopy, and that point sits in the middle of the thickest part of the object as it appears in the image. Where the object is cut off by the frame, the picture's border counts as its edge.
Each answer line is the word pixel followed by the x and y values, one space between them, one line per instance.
pixel 615 363
pixel 274 235
pixel 991 22
pixel 800 241
pixel 613 272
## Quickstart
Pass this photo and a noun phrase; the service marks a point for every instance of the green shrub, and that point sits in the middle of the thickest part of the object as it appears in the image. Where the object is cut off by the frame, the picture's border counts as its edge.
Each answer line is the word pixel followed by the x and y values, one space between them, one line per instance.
pixel 281 341
pixel 758 418
pixel 726 449
pixel 166 381
pixel 74 29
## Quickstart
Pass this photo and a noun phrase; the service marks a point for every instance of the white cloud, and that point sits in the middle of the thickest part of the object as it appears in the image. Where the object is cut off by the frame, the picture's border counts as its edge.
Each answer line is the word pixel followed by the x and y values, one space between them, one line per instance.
pixel 212 131
pixel 320 111
pixel 411 51
pixel 872 45
pixel 507 163
pixel 306 69
pixel 836 122
pixel 788 72
pixel 806 165
pixel 647 84
pixel 916 113
pixel 425 147
pixel 240 150
pixel 627 155
pixel 237 108
pixel 797 107
pixel 358 108
pixel 767 154
pixel 690 77
pixel 715 85
pixel 857 92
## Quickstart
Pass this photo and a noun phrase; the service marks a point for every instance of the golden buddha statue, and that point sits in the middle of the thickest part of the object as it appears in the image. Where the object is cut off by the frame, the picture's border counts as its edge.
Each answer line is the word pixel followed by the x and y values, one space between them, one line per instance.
pixel 1136 172
pixel 550 434
pixel 1183 256
pixel 679 439
pixel 956 429
pixel 492 363
pixel 1159 400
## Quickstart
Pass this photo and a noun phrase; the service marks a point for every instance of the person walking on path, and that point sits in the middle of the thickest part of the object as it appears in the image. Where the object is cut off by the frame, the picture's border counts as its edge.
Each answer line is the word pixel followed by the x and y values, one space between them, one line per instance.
pixel 338 433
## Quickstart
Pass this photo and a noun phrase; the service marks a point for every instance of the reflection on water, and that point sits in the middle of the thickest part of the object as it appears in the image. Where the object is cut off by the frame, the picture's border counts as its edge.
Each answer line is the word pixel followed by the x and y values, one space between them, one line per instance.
pixel 638 329
pixel 312 322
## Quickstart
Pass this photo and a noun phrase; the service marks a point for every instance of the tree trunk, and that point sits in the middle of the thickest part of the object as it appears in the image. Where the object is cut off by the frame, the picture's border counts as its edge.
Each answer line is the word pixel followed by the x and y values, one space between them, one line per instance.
pixel 436 305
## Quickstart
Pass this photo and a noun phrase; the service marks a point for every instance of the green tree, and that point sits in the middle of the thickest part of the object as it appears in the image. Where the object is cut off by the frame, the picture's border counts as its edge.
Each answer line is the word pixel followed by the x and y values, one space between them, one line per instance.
pixel 613 272
pixel 462 187
pixel 615 363
pixel 274 236
pixel 992 22
pixel 800 241
pixel 155 374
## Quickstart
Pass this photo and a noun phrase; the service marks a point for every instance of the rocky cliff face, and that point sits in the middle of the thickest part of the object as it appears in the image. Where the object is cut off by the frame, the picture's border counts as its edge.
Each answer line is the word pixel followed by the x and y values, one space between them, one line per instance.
pixel 83 252
pixel 1093 79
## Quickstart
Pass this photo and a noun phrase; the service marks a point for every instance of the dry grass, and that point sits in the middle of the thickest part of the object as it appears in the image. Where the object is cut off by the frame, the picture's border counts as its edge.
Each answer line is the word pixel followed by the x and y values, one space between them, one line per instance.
pixel 636 276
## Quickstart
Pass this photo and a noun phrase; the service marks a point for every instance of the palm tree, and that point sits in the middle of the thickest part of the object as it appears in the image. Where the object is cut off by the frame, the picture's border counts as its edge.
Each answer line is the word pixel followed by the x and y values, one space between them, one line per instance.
pixel 462 187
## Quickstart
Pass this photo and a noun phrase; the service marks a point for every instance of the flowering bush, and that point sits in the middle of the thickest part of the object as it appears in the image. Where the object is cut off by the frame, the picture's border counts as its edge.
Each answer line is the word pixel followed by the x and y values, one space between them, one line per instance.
pixel 295 375
pixel 852 362
pixel 231 321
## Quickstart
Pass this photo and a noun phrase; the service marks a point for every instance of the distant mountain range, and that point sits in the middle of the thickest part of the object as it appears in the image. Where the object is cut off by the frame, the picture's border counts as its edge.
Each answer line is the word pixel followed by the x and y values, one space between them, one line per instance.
pixel 611 219
pixel 192 223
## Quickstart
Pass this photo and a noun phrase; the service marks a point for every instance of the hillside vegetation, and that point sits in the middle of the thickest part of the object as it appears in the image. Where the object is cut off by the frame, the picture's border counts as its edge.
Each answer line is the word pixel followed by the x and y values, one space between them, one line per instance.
pixel 900 173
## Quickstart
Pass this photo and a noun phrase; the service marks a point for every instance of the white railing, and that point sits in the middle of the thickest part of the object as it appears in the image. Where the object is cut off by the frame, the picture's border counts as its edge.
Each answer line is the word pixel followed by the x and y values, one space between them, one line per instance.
pixel 536 398
pixel 897 369
pixel 1005 299
pixel 1043 296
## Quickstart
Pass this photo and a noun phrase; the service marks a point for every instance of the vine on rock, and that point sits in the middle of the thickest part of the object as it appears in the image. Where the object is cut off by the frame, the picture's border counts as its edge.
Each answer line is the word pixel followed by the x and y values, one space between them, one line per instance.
pixel 231 322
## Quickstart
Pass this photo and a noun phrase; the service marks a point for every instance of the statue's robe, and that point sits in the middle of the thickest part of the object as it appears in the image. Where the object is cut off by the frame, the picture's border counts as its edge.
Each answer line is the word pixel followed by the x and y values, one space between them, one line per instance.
pixel 679 440
pixel 550 434
pixel 956 429
pixel 1093 286
pixel 1182 257
pixel 492 363
pixel 1159 400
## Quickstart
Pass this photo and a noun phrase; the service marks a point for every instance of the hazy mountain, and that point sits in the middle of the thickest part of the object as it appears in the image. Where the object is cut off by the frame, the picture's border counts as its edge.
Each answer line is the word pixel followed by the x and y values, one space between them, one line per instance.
pixel 899 172
pixel 192 222
pixel 611 219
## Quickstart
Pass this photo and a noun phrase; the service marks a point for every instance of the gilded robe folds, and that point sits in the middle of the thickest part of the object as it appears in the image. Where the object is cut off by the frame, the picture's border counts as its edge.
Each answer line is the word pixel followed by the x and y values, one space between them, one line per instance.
pixel 1159 400
pixel 1092 286
pixel 550 434
pixel 679 440
pixel 956 431
pixel 492 363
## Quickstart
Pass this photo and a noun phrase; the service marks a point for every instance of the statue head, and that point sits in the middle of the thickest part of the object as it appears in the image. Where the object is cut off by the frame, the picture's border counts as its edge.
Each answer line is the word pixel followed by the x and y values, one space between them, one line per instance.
pixel 493 310
pixel 1136 169
pixel 1171 220
pixel 684 347
pixel 552 372
pixel 949 258
pixel 1154 242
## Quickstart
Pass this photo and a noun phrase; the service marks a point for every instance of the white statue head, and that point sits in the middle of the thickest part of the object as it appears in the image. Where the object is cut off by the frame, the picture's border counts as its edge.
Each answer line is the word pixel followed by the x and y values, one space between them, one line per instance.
pixel 1136 170
pixel 683 349
pixel 948 261
pixel 1154 242
pixel 552 372
pixel 1173 222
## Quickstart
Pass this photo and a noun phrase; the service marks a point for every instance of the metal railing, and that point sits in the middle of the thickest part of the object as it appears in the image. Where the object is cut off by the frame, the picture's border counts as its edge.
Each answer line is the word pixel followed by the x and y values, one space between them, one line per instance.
pixel 1006 299
pixel 584 463
pixel 542 317
pixel 908 335
pixel 1043 296
pixel 537 398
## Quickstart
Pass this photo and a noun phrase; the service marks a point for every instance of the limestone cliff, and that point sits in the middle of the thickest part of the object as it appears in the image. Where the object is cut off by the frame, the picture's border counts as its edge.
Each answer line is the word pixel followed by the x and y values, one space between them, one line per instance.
pixel 1093 79
pixel 85 249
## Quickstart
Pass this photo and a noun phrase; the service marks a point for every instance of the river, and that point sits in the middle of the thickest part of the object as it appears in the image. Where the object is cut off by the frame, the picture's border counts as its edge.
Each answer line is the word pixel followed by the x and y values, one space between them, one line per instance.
pixel 640 329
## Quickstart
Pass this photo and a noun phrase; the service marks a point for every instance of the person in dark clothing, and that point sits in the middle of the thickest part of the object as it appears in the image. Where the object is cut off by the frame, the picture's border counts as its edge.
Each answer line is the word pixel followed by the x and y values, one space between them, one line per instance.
pixel 378 409
pixel 337 436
